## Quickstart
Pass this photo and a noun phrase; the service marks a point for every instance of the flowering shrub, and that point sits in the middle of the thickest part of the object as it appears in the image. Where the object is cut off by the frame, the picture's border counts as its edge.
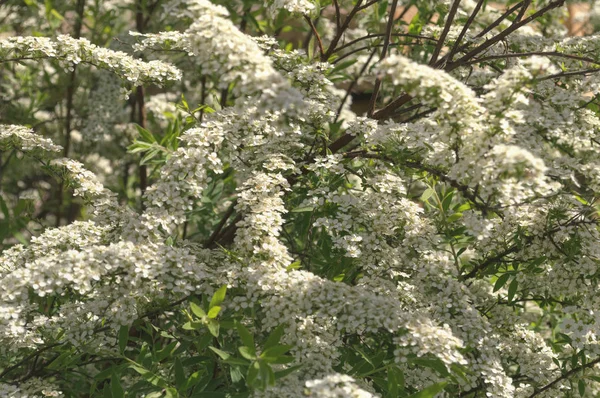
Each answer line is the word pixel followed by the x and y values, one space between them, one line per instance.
pixel 299 198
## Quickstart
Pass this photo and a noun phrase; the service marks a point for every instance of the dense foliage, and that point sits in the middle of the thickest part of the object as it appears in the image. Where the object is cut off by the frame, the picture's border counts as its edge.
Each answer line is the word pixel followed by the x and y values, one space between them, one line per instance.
pixel 290 198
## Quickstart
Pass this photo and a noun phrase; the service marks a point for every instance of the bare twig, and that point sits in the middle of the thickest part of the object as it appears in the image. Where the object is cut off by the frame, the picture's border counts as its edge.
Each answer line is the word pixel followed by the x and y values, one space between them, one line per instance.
pixel 353 83
pixel 213 237
pixel 447 26
pixel 338 16
pixel 490 42
pixel 384 50
pixel 464 30
pixel 522 11
pixel 316 34
pixel 565 376
pixel 340 32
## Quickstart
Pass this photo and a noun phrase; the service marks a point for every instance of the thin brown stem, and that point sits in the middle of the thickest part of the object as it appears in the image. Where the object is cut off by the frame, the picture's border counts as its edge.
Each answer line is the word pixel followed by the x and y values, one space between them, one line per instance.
pixel 140 24
pixel 213 237
pixel 338 15
pixel 522 11
pixel 384 50
pixel 69 109
pixel 374 35
pixel 502 35
pixel 464 30
pixel 340 32
pixel 570 74
pixel 353 83
pixel 447 26
pixel 565 376
pixel 528 54
pixel 316 34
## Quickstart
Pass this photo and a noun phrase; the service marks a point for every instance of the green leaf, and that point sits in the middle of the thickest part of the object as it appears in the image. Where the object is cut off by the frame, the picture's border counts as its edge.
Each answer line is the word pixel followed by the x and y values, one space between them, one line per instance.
pixel 180 380
pixel 447 201
pixel 266 374
pixel 581 387
pixel 123 338
pixel 199 312
pixel 115 387
pixel 427 194
pixel 193 325
pixel 247 352
pixel 214 312
pixel 395 379
pixel 429 392
pixel 302 209
pixel 512 289
pixel 245 335
pixel 149 376
pixel 237 361
pixel 145 134
pixel 194 379
pixel 166 351
pixel 501 282
pixel 283 373
pixel 218 297
pixel 274 337
pixel 275 351
pixel 4 208
pixel 171 392
pixel 252 374
pixel 455 217
pixel 213 327
pixel 224 355
pixel 236 374
pixel 435 364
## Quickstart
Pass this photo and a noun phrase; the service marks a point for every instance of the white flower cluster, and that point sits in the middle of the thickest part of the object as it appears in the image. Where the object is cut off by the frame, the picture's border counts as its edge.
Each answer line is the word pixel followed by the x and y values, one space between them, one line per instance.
pixel 260 199
pixel 219 48
pixel 85 180
pixel 13 136
pixel 184 177
pixel 336 386
pixel 70 51
pixel 294 6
